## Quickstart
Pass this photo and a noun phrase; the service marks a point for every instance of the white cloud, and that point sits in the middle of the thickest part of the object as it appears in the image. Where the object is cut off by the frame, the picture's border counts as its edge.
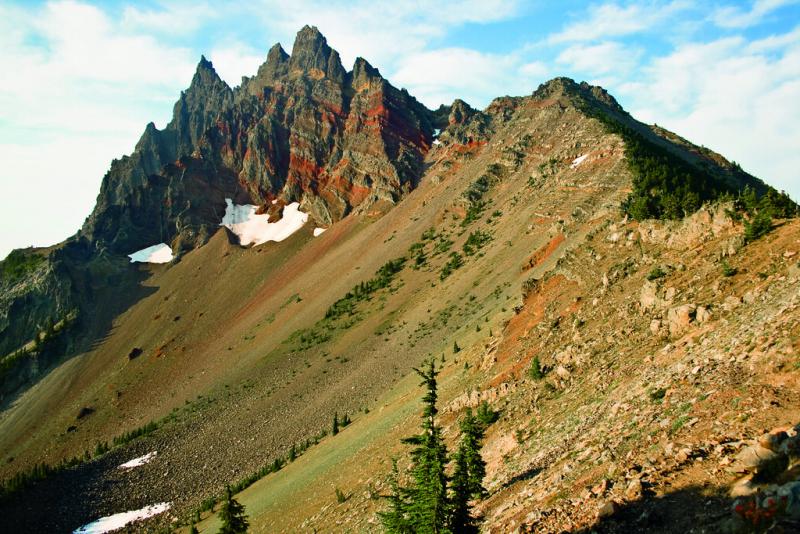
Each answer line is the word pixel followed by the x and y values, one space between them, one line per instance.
pixel 728 96
pixel 607 58
pixel 383 33
pixel 735 17
pixel 775 42
pixel 234 60
pixel 614 20
pixel 439 76
pixel 181 18
pixel 79 92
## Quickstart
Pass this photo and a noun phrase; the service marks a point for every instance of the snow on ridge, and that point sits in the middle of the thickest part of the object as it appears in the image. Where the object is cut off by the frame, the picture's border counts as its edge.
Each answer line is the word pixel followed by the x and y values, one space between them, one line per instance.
pixel 255 229
pixel 318 231
pixel 117 521
pixel 160 253
pixel 136 462
pixel 577 161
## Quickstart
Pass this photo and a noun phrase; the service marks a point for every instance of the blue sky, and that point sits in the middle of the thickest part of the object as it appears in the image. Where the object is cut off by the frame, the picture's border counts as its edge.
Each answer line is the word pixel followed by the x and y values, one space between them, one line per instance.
pixel 81 79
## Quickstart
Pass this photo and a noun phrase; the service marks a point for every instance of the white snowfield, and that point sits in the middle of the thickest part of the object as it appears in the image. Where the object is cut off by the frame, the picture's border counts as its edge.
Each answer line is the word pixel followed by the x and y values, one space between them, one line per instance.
pixel 117 521
pixel 256 229
pixel 318 231
pixel 160 253
pixel 577 161
pixel 136 462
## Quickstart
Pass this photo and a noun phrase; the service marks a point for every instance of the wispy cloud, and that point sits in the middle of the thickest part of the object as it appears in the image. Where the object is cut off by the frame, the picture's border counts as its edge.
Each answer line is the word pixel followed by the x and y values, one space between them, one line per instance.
pixel 178 18
pixel 601 59
pixel 736 17
pixel 78 91
pixel 382 33
pixel 440 76
pixel 729 95
pixel 609 20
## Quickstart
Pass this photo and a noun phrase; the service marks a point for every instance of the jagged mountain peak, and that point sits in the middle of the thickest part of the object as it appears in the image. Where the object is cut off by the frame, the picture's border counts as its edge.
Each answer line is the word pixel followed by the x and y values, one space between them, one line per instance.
pixel 205 74
pixel 363 73
pixel 567 87
pixel 312 55
pixel 460 112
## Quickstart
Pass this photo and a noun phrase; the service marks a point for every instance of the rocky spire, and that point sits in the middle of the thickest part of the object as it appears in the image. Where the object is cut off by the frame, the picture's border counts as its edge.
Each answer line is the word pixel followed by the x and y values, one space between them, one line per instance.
pixel 312 53
pixel 197 107
pixel 363 73
pixel 205 75
pixel 460 112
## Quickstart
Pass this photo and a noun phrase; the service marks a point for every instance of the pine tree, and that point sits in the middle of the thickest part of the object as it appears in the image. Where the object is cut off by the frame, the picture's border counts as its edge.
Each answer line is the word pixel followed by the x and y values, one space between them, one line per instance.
pixel 193 529
pixel 429 503
pixel 234 520
pixel 335 429
pixel 396 520
pixel 456 348
pixel 468 475
pixel 461 519
pixel 424 505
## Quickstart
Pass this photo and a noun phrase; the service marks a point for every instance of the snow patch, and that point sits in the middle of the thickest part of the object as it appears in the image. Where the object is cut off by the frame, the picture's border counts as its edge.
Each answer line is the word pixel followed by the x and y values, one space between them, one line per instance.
pixel 160 253
pixel 136 462
pixel 437 142
pixel 117 521
pixel 256 229
pixel 318 231
pixel 436 132
pixel 577 161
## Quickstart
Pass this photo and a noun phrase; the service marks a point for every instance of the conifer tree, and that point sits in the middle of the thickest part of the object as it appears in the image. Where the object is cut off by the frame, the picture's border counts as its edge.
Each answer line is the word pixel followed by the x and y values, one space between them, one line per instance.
pixel 193 529
pixel 396 520
pixel 425 503
pixel 335 429
pixel 470 469
pixel 234 520
pixel 461 520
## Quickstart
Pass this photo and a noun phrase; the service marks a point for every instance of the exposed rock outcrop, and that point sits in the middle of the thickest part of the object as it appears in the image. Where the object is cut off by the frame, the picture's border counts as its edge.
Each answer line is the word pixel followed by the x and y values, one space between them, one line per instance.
pixel 302 129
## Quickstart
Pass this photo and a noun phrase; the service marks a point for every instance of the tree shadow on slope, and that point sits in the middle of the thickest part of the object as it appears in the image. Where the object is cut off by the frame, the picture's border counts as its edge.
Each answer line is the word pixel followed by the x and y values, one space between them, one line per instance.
pixel 101 299
pixel 694 509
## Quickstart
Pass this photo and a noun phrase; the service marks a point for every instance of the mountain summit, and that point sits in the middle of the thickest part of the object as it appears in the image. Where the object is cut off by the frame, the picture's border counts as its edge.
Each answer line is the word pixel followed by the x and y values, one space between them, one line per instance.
pixel 303 129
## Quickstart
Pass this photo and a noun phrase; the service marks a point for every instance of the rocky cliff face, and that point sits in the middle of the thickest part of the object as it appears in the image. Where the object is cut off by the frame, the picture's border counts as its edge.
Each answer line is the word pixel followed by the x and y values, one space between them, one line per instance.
pixel 302 129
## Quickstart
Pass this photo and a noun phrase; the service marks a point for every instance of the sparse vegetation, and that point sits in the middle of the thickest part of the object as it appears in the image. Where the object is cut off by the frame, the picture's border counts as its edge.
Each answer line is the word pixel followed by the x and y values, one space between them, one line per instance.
pixel 475 241
pixel 343 313
pixel 19 263
pixel 535 371
pixel 456 262
pixel 486 415
pixel 474 196
pixel 363 291
pixel 728 270
pixel 656 273
pixel 757 227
